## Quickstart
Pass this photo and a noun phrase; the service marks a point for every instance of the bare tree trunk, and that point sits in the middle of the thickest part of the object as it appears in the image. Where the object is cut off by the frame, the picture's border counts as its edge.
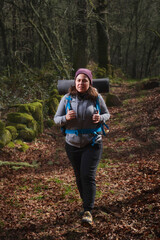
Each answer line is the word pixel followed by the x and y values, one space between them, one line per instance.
pixel 103 40
pixel 80 36
pixel 149 62
pixel 130 24
pixel 4 41
pixel 134 66
pixel 3 35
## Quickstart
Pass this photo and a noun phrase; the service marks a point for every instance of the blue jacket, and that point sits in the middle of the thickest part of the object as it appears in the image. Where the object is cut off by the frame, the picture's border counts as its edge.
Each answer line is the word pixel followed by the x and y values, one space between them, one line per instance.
pixel 84 111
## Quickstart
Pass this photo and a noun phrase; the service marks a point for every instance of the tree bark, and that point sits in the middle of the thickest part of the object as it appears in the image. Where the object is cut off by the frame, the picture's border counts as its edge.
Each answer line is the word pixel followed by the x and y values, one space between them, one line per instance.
pixel 134 66
pixel 3 35
pixel 80 36
pixel 103 40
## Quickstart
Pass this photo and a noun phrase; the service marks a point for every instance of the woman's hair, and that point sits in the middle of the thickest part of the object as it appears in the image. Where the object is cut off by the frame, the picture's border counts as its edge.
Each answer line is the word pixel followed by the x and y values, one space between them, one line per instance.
pixel 90 94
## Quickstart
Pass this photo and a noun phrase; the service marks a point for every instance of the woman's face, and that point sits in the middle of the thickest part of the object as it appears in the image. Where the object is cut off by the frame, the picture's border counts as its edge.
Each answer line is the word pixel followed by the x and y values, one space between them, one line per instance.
pixel 82 83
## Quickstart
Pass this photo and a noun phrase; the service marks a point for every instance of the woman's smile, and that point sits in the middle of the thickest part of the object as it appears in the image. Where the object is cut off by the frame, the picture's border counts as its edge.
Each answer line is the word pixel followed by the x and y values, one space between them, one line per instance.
pixel 82 83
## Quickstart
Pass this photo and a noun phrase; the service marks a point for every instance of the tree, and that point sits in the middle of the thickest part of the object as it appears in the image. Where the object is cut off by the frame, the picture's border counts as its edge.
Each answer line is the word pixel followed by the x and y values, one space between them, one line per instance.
pixel 80 36
pixel 69 34
pixel 103 39
pixel 5 51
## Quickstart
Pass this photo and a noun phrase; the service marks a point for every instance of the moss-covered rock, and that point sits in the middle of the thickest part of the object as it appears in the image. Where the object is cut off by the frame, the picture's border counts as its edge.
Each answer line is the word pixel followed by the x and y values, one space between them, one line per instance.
pixel 2 127
pixel 20 126
pixel 5 135
pixel 49 123
pixel 25 124
pixel 54 93
pixel 27 134
pixel 22 147
pixel 38 100
pixel 52 104
pixel 5 138
pixel 13 131
pixel 147 84
pixel 18 117
pixel 34 109
pixel 112 100
pixel 22 118
pixel 11 145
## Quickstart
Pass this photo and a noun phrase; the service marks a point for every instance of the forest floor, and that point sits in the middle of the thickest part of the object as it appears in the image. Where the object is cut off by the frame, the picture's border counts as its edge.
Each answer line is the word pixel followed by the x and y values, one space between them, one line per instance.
pixel 42 201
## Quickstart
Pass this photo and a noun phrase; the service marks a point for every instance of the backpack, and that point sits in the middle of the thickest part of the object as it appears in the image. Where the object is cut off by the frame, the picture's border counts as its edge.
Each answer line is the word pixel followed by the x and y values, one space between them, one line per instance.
pixel 85 131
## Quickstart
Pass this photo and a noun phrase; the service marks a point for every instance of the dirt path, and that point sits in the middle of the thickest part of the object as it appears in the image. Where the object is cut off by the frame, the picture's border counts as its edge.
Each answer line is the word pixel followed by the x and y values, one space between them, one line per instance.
pixel 43 202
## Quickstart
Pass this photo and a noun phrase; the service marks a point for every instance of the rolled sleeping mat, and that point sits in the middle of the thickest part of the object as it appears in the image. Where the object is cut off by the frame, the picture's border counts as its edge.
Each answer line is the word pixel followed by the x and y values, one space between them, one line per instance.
pixel 102 85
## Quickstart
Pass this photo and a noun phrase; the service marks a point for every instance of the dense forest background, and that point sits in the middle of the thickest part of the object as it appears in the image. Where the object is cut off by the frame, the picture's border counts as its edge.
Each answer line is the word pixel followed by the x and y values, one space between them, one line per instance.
pixel 43 41
pixel 64 35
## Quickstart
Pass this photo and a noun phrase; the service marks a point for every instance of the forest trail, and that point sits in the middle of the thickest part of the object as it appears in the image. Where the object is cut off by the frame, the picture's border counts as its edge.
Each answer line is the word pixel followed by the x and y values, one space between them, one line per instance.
pixel 43 203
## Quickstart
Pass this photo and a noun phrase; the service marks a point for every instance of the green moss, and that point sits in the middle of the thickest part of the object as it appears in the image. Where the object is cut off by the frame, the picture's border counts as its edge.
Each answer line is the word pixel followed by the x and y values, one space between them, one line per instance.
pixel 146 84
pixel 101 72
pixel 11 145
pixel 5 138
pixel 1 144
pixel 27 134
pixel 2 127
pixel 49 123
pixel 13 131
pixel 23 118
pixel 38 100
pixel 59 97
pixel 20 126
pixel 34 109
pixel 52 104
pixel 18 141
pixel 18 117
pixel 24 147
pixel 23 164
pixel 54 92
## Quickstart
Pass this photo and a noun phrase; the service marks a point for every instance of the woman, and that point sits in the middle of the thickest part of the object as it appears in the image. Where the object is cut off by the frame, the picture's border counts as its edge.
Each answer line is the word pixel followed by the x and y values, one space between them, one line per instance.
pixel 79 114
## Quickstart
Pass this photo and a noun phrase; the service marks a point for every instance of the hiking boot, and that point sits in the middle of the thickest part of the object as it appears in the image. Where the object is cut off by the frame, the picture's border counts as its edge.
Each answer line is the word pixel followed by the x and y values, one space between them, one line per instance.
pixel 87 219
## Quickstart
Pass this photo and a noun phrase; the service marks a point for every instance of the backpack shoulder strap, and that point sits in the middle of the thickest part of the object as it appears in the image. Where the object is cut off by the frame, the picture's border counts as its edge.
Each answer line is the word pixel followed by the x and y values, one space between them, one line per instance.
pixel 68 105
pixel 102 124
pixel 98 105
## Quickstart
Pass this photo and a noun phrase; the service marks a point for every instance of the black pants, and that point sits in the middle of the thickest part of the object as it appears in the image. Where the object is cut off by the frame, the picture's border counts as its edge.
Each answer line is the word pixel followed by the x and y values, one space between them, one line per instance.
pixel 85 162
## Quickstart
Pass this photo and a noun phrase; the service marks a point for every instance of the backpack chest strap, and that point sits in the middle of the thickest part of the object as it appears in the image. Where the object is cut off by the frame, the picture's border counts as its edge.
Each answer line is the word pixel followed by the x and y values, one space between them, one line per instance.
pixel 83 131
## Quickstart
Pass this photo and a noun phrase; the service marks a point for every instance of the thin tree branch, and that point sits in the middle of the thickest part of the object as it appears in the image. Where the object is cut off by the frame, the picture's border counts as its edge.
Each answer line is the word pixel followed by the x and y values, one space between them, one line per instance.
pixel 25 65
pixel 50 45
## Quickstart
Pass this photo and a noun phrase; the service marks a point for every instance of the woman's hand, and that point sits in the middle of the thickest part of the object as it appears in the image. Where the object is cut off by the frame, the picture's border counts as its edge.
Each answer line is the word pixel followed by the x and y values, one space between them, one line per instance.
pixel 96 118
pixel 70 115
